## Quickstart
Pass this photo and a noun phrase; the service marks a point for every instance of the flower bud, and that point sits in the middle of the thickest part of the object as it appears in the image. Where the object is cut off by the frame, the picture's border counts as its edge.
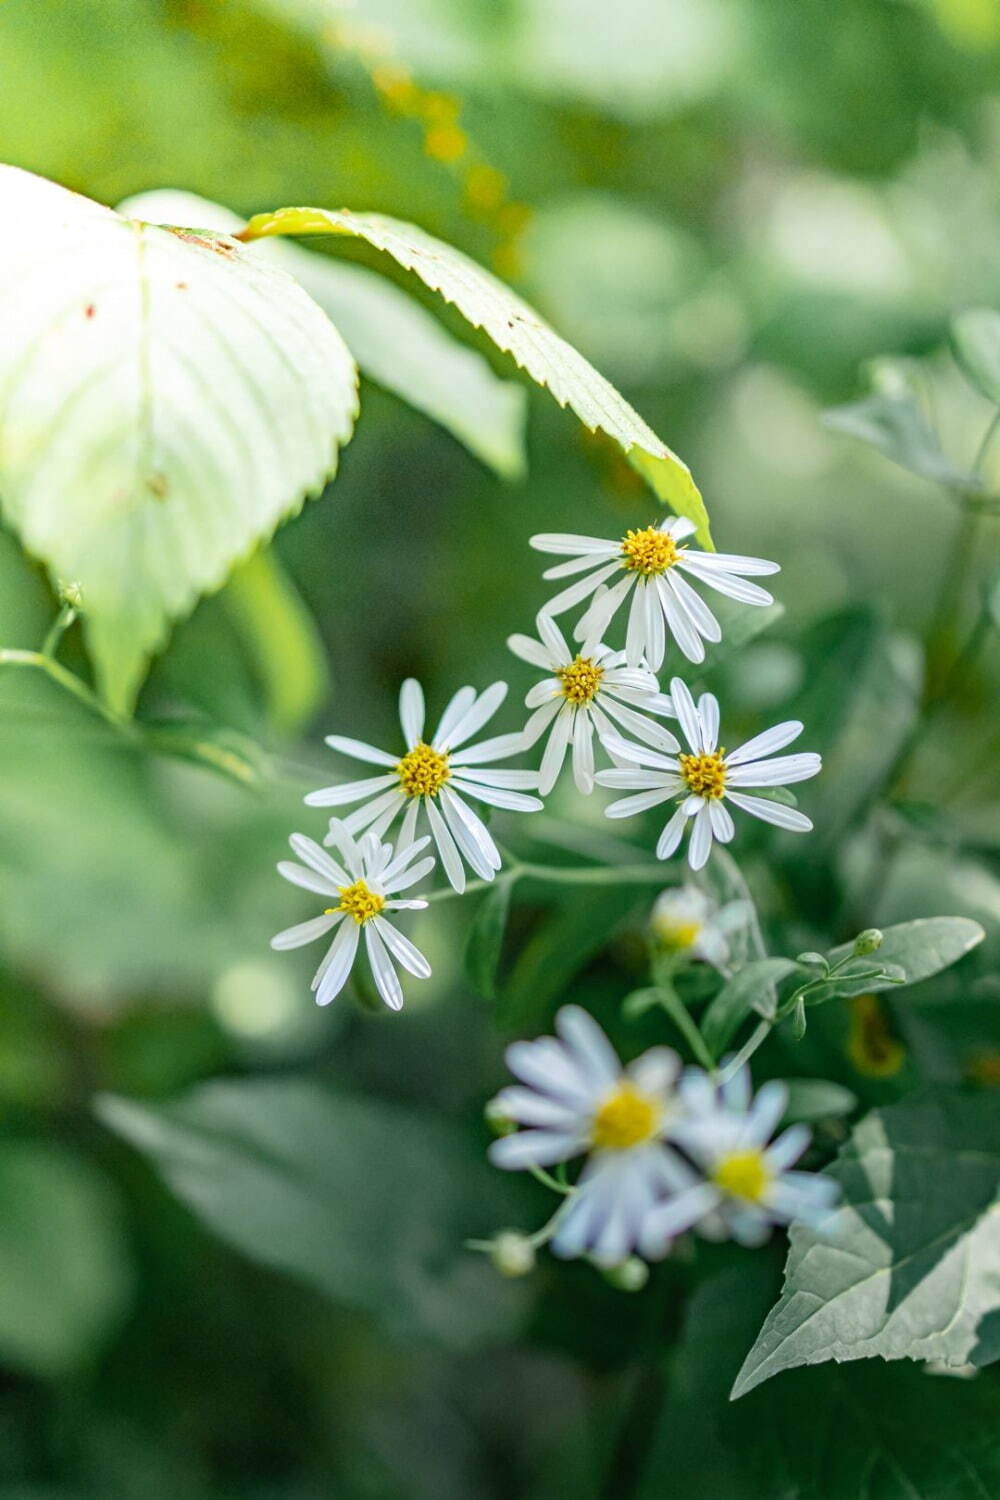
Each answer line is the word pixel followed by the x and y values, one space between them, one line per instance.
pixel 630 1276
pixel 498 1121
pixel 512 1253
pixel 868 941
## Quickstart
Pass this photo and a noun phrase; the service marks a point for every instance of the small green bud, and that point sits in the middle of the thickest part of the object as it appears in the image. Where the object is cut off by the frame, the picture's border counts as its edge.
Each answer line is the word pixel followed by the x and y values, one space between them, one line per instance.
pixel 512 1253
pixel 499 1122
pixel 812 960
pixel 71 594
pixel 630 1276
pixel 868 941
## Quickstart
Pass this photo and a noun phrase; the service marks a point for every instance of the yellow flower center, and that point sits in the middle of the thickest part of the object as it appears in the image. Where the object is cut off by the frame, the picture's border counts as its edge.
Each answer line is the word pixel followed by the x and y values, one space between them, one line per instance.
pixel 626 1118
pixel 679 935
pixel 648 551
pixel 742 1174
pixel 705 774
pixel 581 680
pixel 423 770
pixel 358 901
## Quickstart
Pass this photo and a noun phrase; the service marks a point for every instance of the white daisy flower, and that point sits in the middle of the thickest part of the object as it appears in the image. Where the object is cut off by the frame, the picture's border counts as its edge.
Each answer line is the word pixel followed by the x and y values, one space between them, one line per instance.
pixel 652 560
pixel 708 778
pixel 575 1098
pixel 583 692
pixel 747 1184
pixel 686 921
pixel 365 886
pixel 437 776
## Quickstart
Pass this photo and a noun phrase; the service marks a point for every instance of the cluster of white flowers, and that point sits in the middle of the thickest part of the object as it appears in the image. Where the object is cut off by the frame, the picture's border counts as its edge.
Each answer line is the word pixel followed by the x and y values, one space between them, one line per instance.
pixel 593 694
pixel 667 1151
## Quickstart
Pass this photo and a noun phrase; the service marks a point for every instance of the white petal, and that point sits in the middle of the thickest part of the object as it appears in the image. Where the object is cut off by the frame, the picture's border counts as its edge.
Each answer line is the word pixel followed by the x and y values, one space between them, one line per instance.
pixel 553 639
pixel 470 835
pixel 642 728
pixel 726 583
pixel 500 747
pixel 533 652
pixel 762 1121
pixel 349 791
pixel 564 541
pixel 390 802
pixel 309 880
pixel 723 826
pixel 588 1045
pixel 411 877
pixel 498 796
pixel 358 750
pixel 635 635
pixel 534 1148
pixel 332 973
pixel 772 812
pixel 708 713
pixel 305 932
pixel 528 1107
pixel 405 854
pixel 665 1222
pixel 629 807
pixel 766 743
pixel 631 780
pixel 580 564
pixel 408 954
pixel 656 636
pixel 385 976
pixel 548 1066
pixel 411 711
pixel 546 691
pixel 694 605
pixel 678 527
pixel 782 771
pixel 458 707
pixel 732 562
pixel 583 752
pixel 603 610
pixel 701 837
pixel 318 859
pixel 641 755
pixel 582 590
pixel 672 833
pixel 555 750
pixel 679 622
pixel 509 780
pixel 479 714
pixel 450 858
pixel 687 714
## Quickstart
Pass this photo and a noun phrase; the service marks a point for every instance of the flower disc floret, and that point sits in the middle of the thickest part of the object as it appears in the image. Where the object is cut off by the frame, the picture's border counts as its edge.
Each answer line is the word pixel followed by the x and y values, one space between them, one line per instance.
pixel 705 774
pixel 359 901
pixel 581 680
pixel 423 770
pixel 742 1174
pixel 626 1118
pixel 649 551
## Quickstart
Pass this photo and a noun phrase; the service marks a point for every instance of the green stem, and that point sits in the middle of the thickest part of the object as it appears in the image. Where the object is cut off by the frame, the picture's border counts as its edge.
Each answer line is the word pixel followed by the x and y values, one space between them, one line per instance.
pixel 58 628
pixel 12 657
pixel 682 1019
pixel 759 1035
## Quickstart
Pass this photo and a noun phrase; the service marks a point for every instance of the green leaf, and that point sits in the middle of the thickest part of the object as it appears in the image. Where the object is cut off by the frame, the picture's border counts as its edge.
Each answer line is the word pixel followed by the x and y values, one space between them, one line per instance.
pixel 395 341
pixel 167 400
pixel 514 327
pixel 892 421
pixel 813 1099
pixel 975 338
pixel 369 1202
pixel 485 943
pixel 909 1266
pixel 282 637
pixel 861 1432
pixel 751 989
pixel 64 1277
pixel 920 949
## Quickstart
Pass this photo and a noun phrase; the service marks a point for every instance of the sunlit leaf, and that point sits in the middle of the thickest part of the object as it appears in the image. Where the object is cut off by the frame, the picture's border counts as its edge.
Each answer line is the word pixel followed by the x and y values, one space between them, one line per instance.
pixel 514 327
pixel 921 948
pixel 975 338
pixel 909 1265
pixel 394 340
pixel 166 399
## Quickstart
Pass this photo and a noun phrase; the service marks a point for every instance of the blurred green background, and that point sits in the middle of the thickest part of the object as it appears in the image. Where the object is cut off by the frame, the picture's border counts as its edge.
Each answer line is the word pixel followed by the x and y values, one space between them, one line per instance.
pixel 730 206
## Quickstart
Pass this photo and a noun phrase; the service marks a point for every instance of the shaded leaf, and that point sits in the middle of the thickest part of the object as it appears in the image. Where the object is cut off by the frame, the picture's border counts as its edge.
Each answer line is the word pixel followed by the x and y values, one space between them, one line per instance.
pixel 64 1277
pixel 514 327
pixel 920 949
pixel 751 989
pixel 892 420
pixel 364 1200
pixel 394 340
pixel 812 1099
pixel 975 338
pixel 485 943
pixel 167 399
pixel 909 1265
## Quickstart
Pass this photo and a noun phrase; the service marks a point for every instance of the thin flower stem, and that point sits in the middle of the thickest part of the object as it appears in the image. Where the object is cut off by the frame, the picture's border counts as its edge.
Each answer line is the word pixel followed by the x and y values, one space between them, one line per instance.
pixel 13 657
pixel 58 628
pixel 760 1034
pixel 647 874
pixel 682 1019
pixel 547 1180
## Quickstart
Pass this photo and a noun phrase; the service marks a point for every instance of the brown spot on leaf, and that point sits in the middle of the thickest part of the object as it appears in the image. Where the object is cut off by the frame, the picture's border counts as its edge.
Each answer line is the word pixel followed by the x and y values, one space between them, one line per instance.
pixel 158 486
pixel 219 244
pixel 90 310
